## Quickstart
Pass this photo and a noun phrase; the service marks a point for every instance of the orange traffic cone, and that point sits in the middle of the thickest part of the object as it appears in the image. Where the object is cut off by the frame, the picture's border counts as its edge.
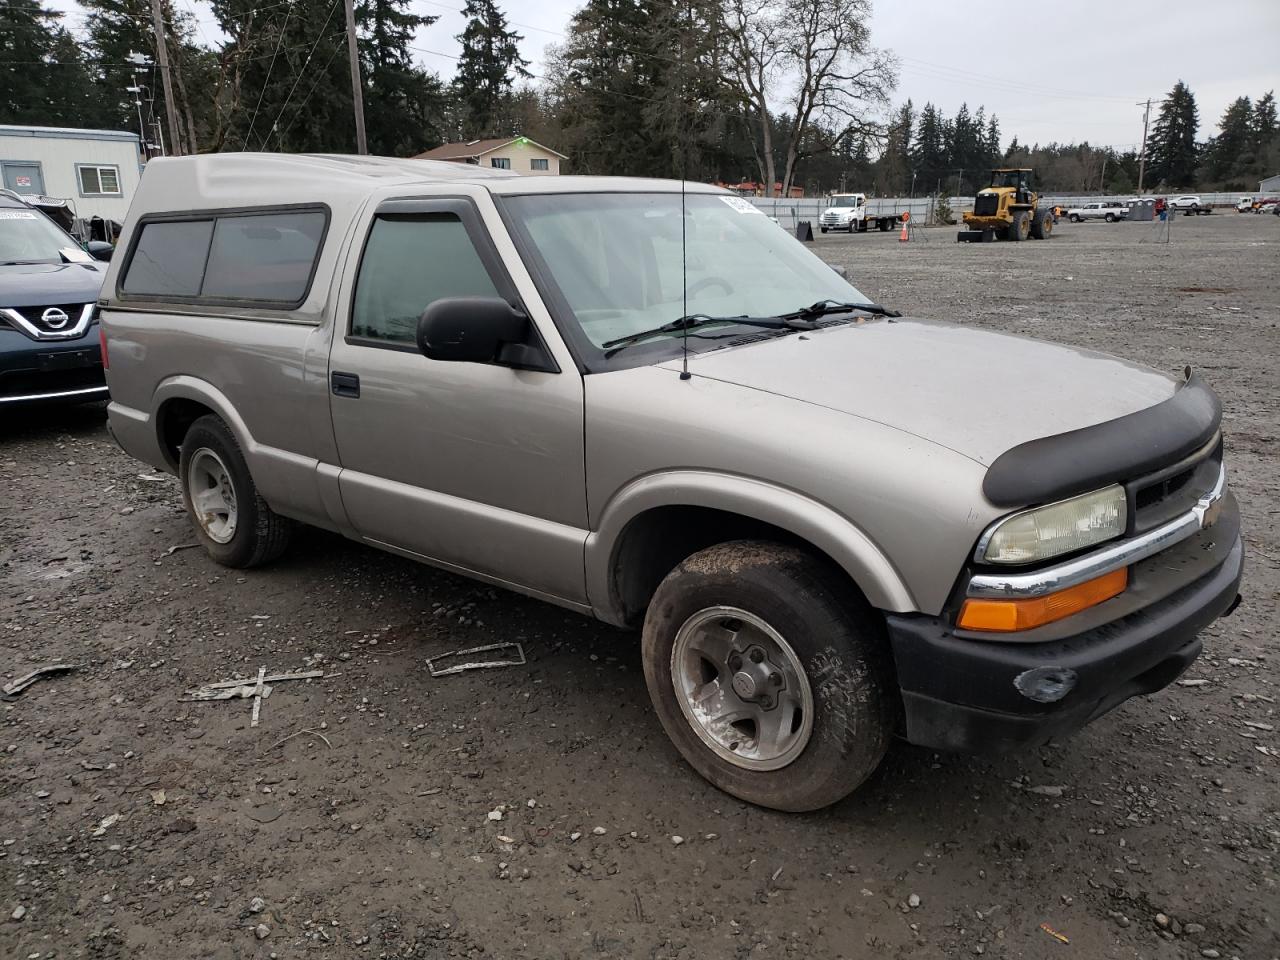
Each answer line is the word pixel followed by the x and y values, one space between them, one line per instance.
pixel 904 237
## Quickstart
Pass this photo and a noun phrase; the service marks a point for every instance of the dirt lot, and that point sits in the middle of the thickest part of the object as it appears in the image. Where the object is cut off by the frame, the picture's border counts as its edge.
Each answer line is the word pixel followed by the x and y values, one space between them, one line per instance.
pixel 137 825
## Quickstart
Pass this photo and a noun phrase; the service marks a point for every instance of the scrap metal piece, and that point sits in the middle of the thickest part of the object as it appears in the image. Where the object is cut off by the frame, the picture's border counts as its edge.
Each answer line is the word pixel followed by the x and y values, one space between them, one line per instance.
pixel 11 690
pixel 1060 937
pixel 244 692
pixel 476 664
pixel 252 681
pixel 257 696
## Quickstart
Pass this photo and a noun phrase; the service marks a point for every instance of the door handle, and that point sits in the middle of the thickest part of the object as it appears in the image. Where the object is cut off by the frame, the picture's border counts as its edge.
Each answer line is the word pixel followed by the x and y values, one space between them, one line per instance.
pixel 345 384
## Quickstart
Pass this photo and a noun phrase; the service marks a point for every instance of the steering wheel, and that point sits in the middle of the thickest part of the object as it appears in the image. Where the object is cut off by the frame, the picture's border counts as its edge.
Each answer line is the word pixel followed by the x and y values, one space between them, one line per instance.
pixel 705 282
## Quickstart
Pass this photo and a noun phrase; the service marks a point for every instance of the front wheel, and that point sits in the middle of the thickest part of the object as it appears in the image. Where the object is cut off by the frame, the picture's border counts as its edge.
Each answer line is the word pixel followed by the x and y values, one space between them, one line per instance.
pixel 231 520
pixel 770 679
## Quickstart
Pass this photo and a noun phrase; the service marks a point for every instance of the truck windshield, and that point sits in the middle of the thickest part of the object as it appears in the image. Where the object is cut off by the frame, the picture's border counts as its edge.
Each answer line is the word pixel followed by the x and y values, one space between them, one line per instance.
pixel 30 237
pixel 616 262
pixel 845 201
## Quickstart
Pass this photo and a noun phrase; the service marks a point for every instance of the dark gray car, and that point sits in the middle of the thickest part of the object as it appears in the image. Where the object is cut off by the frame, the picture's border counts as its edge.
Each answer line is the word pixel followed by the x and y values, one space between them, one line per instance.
pixel 49 344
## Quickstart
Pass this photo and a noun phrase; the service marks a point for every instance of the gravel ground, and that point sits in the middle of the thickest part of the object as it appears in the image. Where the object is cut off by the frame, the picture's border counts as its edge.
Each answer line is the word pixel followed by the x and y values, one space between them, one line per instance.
pixel 533 811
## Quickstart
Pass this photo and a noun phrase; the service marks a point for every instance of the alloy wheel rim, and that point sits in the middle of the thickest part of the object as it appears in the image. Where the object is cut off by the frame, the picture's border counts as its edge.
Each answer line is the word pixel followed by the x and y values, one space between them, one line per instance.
pixel 742 688
pixel 213 495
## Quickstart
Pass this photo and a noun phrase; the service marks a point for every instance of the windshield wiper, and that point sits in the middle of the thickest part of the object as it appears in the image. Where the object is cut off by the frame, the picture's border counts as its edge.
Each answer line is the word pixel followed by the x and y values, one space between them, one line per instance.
pixel 824 307
pixel 701 320
pixel 22 263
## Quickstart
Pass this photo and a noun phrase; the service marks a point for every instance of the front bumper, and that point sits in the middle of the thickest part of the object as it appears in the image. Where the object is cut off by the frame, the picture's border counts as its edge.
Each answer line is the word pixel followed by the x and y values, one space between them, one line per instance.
pixel 992 696
pixel 51 371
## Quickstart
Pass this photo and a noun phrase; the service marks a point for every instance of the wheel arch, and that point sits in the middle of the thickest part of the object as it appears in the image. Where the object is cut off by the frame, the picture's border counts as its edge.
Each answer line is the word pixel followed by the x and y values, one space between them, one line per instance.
pixel 655 522
pixel 181 400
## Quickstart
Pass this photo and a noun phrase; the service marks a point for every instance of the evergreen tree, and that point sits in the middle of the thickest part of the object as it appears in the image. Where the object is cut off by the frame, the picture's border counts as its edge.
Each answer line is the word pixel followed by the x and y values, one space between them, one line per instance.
pixel 289 89
pixel 639 92
pixel 929 153
pixel 992 141
pixel 1232 150
pixel 1172 145
pixel 489 64
pixel 44 78
pixel 404 104
pixel 1263 124
pixel 895 163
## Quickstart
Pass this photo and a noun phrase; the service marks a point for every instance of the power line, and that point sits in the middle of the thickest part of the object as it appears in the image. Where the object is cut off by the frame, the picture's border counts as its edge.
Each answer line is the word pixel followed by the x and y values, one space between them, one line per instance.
pixel 262 91
pixel 305 63
pixel 305 100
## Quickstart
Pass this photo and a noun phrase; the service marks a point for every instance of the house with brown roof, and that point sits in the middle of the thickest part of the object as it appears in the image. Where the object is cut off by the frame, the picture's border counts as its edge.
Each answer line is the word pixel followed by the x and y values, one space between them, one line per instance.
pixel 504 153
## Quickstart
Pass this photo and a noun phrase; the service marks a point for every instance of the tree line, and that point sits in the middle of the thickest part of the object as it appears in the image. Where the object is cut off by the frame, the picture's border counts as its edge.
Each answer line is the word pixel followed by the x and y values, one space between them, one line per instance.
pixel 791 93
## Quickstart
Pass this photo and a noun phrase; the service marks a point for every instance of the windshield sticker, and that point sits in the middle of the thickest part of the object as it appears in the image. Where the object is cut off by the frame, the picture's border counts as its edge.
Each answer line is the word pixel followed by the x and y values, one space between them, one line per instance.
pixel 742 206
pixel 17 215
pixel 75 255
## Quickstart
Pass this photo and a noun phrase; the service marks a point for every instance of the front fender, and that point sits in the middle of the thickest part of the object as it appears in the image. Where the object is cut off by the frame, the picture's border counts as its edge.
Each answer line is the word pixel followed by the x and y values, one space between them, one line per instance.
pixel 814 522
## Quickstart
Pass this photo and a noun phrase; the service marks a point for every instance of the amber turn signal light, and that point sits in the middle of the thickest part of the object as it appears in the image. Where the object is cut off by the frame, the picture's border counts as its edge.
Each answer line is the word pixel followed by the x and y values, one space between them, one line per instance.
pixel 1007 616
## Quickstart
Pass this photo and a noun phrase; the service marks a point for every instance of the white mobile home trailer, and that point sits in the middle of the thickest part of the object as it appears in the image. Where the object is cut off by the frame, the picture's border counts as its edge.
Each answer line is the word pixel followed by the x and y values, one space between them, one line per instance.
pixel 97 171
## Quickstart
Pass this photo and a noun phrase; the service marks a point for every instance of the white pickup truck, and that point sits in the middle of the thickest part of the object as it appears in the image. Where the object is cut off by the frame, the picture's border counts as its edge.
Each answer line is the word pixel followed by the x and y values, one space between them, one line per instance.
pixel 1108 210
pixel 850 211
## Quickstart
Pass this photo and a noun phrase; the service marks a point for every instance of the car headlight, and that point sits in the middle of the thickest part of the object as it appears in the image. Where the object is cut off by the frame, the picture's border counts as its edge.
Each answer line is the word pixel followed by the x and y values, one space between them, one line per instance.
pixel 1055 529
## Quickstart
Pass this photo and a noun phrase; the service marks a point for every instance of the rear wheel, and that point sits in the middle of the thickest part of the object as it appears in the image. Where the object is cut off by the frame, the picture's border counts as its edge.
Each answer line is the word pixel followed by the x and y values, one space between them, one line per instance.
pixel 1074 218
pixel 769 680
pixel 1110 218
pixel 231 520
pixel 1020 227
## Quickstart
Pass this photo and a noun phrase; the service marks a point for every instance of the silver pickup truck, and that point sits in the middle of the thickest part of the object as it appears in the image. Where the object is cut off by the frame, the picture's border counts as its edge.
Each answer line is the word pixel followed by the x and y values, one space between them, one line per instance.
pixel 644 401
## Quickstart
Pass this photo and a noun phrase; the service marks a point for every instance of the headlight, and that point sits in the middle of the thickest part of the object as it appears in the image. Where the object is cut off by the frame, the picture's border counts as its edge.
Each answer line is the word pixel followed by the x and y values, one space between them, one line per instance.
pixel 1055 529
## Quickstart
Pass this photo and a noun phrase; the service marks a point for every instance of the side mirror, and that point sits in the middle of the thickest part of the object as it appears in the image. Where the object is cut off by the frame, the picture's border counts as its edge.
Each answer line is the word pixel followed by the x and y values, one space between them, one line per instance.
pixel 480 330
pixel 100 250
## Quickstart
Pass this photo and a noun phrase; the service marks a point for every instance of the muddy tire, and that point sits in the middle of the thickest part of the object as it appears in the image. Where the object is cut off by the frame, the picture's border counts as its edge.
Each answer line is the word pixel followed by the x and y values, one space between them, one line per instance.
pixel 770 679
pixel 1042 225
pixel 231 521
pixel 1020 227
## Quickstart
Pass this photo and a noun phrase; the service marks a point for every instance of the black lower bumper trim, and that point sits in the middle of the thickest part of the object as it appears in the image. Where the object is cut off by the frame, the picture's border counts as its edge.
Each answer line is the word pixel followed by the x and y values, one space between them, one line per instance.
pixel 961 694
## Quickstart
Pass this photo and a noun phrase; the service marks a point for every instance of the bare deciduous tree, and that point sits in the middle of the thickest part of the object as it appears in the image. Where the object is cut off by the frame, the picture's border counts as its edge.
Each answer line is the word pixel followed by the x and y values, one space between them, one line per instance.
pixel 812 62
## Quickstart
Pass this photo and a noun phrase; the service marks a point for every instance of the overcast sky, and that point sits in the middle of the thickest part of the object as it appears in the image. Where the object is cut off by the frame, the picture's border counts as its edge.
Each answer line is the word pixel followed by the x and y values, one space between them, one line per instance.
pixel 1079 74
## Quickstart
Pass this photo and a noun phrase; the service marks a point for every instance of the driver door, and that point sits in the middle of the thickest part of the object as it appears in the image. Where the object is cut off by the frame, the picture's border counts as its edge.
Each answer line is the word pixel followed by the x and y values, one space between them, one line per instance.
pixel 477 467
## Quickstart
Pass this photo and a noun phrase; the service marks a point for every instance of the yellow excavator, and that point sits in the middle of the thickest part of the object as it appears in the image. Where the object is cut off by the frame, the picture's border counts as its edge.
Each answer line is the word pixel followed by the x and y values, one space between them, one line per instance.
pixel 1008 209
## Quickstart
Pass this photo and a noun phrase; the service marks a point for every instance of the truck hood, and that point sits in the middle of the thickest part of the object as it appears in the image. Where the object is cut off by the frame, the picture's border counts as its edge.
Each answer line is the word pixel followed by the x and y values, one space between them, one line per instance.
pixel 973 391
pixel 40 284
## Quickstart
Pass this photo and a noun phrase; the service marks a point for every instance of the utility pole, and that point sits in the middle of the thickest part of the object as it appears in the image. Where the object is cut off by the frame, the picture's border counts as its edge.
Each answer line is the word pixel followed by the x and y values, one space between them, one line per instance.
pixel 1142 154
pixel 1102 180
pixel 142 127
pixel 357 92
pixel 162 54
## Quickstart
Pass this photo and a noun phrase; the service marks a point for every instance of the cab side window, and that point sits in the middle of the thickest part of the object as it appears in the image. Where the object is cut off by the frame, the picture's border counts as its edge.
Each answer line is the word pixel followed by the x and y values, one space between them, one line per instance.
pixel 410 261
